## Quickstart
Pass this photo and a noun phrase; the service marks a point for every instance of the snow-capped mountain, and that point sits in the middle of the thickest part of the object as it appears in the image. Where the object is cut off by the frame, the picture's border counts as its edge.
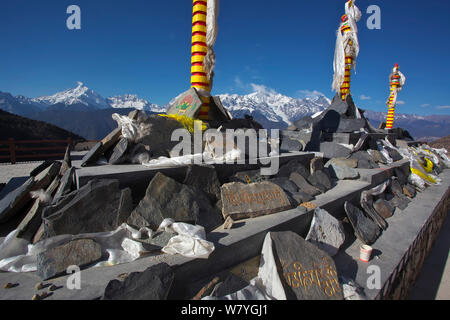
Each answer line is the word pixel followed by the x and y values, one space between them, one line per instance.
pixel 81 95
pixel 278 109
pixel 133 101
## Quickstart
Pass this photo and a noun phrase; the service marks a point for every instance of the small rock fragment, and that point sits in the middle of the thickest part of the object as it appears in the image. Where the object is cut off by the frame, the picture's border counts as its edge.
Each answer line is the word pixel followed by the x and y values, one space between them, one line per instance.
pixel 9 285
pixel 228 223
pixel 39 286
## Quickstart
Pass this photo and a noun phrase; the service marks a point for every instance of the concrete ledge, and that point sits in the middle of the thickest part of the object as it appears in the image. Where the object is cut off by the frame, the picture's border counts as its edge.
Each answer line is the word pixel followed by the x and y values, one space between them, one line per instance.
pixel 394 247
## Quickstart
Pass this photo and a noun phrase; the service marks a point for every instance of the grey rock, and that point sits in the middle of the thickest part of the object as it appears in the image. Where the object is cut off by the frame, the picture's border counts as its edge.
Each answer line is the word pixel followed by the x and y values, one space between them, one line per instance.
pixel 161 238
pixel 157 134
pixel 303 123
pixel 303 184
pixel 409 191
pixel 166 198
pixel 401 176
pixel 54 262
pixel 302 197
pixel 15 201
pixel 92 208
pixel 350 125
pixel 316 164
pixel 125 206
pixel 93 155
pixel 44 165
pixel 290 145
pixel 119 153
pixel 306 272
pixel 321 180
pixel 394 154
pixel 241 201
pixel 286 184
pixel 326 232
pixel 66 164
pixel 342 162
pixel 365 161
pixel 205 179
pixel 343 173
pixel 334 150
pixel 365 229
pixel 384 208
pixel 293 166
pixel 152 284
pixel 231 284
pixel 330 121
pixel 45 178
pixel 65 187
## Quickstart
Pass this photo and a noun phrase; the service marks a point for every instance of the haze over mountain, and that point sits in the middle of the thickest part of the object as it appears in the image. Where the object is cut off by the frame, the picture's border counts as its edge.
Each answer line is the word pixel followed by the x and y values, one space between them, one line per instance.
pixel 85 112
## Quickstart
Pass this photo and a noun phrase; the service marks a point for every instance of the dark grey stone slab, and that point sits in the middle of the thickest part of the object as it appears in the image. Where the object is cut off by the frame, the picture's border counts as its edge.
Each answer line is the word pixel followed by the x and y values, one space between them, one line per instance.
pixel 286 184
pixel 293 166
pixel 118 154
pixel 93 208
pixel 350 125
pixel 321 180
pixel 125 206
pixel 14 201
pixel 383 208
pixel 303 184
pixel 12 185
pixel 66 185
pixel 290 145
pixel 241 201
pixel 152 284
pixel 54 262
pixel 166 198
pixel 231 284
pixel 365 229
pixel 307 273
pixel 205 179
pixel 334 150
pixel 93 155
pixel 343 173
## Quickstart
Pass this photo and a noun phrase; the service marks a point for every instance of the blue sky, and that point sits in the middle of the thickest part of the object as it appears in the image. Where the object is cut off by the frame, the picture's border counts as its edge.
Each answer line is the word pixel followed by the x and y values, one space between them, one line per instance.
pixel 143 47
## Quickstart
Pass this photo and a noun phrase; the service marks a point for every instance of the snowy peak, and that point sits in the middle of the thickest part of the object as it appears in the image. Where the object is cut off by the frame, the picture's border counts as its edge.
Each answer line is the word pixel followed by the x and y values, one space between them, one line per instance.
pixel 79 95
pixel 132 101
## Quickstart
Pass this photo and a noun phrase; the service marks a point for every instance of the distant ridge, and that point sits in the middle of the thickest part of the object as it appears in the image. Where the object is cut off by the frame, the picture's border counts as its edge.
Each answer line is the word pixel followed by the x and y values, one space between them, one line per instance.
pixel 20 128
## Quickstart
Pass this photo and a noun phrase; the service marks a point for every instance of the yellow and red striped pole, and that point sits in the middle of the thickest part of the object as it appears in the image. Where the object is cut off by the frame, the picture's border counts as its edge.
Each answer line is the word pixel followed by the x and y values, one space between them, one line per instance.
pixel 199 79
pixel 345 87
pixel 395 83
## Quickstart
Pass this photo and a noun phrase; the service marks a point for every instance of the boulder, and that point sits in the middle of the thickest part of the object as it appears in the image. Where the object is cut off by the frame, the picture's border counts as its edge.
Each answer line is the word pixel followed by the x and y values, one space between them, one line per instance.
pixel 166 198
pixel 326 232
pixel 92 208
pixel 241 201
pixel 306 272
pixel 365 229
pixel 205 179
pixel 152 284
pixel 55 261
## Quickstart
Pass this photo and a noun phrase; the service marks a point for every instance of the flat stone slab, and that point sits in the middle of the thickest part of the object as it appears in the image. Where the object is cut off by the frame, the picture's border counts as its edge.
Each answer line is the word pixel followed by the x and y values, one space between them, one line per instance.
pixel 241 201
pixel 55 261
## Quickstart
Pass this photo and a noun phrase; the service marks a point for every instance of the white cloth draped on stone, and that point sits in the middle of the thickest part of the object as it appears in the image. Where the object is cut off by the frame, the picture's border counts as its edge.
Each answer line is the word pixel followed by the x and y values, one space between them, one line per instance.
pixel 353 15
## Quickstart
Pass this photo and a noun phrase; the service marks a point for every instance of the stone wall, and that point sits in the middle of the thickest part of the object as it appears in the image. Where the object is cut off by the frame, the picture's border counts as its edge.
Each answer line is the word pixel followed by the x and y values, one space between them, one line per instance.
pixel 403 278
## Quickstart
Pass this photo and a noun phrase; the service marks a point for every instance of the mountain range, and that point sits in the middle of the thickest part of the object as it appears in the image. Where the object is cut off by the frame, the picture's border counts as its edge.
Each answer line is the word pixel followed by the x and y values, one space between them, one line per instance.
pixel 86 113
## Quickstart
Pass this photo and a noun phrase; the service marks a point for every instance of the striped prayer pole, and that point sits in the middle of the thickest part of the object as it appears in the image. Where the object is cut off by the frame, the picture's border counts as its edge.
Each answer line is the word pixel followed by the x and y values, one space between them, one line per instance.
pixel 395 84
pixel 199 79
pixel 345 87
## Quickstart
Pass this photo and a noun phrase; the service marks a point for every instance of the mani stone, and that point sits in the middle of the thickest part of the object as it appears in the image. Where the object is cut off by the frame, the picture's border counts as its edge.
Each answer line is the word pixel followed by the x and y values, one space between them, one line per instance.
pixel 304 185
pixel 383 208
pixel 92 208
pixel 166 198
pixel 326 232
pixel 118 154
pixel 55 261
pixel 187 104
pixel 334 150
pixel 242 201
pixel 14 201
pixel 204 178
pixel 343 173
pixel 306 272
pixel 365 229
pixel 152 284
pixel 290 145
